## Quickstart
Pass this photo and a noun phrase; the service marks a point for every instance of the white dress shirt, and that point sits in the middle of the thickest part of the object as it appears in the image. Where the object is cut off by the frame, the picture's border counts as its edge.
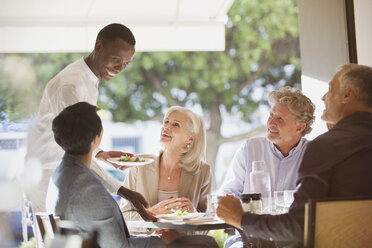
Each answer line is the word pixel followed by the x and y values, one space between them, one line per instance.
pixel 75 83
pixel 282 170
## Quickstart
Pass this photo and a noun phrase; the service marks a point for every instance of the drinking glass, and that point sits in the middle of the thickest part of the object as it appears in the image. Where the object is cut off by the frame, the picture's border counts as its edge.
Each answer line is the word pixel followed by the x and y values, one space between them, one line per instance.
pixel 212 203
pixel 283 200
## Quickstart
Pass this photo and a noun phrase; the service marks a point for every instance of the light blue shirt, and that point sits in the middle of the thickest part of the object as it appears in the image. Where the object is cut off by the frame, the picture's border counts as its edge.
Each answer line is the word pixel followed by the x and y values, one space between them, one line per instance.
pixel 283 170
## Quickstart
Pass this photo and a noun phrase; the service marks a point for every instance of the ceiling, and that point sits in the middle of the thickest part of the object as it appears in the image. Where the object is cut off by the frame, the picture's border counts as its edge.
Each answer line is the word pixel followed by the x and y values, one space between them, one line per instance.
pixel 72 25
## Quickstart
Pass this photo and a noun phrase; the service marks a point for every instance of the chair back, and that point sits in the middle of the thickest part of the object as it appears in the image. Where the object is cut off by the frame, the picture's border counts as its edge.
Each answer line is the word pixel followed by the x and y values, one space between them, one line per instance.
pixel 47 224
pixel 338 223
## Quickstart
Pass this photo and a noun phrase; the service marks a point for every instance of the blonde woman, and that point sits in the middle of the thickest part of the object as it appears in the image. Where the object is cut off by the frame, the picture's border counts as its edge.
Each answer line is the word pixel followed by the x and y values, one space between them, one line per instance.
pixel 179 178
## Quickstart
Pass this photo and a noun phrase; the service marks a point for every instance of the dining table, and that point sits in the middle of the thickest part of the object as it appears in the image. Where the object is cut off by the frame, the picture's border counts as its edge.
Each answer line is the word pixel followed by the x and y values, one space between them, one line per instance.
pixel 197 226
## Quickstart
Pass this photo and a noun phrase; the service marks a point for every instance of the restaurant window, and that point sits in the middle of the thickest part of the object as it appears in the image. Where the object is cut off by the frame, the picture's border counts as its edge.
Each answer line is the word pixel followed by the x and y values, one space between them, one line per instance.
pixel 126 144
pixel 10 144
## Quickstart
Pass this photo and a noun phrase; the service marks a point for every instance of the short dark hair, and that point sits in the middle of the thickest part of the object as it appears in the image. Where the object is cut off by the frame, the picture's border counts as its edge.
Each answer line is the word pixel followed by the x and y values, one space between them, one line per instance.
pixel 76 127
pixel 114 31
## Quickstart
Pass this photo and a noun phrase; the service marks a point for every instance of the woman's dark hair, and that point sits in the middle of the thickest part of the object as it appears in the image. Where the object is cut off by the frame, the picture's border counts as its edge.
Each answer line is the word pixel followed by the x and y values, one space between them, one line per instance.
pixel 76 127
pixel 114 31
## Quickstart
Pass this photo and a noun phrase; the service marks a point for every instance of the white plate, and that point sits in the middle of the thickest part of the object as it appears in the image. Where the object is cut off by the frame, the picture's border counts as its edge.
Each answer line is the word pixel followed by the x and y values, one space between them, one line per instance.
pixel 179 217
pixel 116 161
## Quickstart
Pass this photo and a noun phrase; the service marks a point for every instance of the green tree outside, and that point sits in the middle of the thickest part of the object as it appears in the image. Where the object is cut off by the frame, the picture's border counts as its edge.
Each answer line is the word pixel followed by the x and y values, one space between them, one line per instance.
pixel 262 50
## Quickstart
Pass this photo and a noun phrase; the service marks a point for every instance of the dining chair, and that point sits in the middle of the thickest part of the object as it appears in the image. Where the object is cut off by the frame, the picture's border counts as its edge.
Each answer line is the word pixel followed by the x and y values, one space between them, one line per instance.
pixel 47 225
pixel 67 235
pixel 338 223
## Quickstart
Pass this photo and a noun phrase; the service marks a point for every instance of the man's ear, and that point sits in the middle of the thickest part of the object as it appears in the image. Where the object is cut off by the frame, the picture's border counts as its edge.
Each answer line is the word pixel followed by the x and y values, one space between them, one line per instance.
pixel 97 140
pixel 349 95
pixel 300 127
pixel 98 46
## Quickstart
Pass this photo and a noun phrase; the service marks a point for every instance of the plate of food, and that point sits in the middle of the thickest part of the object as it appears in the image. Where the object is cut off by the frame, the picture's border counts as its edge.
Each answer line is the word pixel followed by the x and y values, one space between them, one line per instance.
pixel 126 160
pixel 179 215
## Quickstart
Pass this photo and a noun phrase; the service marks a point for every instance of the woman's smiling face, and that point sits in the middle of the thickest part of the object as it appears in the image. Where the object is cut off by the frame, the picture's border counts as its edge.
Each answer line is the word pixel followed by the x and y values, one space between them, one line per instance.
pixel 175 131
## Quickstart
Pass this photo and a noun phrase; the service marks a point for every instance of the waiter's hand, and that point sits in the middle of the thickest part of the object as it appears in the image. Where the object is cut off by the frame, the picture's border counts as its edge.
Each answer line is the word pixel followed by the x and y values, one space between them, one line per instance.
pixel 230 210
pixel 138 201
pixel 102 155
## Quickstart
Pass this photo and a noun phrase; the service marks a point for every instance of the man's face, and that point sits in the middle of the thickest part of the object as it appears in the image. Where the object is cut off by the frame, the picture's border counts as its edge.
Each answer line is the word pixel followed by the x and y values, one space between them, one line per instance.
pixel 333 101
pixel 282 128
pixel 112 58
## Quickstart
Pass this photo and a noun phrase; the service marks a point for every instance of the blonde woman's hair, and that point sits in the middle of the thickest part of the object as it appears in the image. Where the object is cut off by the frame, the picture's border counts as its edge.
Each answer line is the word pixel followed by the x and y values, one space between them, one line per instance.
pixel 195 155
pixel 301 106
pixel 358 77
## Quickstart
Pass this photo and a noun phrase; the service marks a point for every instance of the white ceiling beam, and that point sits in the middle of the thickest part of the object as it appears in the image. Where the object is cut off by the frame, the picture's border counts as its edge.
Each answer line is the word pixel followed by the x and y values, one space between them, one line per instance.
pixel 78 39
pixel 72 26
pixel 102 21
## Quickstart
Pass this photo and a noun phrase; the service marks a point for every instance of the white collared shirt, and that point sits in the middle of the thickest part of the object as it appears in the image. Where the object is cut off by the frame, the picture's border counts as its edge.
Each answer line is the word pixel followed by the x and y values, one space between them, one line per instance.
pixel 75 83
pixel 282 170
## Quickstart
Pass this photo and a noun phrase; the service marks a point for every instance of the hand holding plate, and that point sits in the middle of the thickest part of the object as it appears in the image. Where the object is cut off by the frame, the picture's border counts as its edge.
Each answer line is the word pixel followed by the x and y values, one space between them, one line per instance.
pixel 105 156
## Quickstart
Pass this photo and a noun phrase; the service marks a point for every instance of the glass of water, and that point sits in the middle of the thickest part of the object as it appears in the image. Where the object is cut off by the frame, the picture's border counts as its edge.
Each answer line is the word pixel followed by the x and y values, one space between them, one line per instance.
pixel 283 200
pixel 212 203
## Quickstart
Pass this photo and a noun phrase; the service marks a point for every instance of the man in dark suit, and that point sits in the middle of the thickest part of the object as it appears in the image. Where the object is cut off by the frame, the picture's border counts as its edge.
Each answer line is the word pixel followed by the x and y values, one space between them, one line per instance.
pixel 335 164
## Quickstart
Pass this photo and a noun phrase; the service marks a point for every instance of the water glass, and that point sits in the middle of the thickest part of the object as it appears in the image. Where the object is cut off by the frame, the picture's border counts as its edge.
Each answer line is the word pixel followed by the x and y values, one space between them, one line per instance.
pixel 283 200
pixel 212 203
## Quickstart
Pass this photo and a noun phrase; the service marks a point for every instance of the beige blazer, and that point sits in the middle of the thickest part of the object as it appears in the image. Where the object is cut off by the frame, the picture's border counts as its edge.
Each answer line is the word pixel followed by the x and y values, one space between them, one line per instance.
pixel 145 180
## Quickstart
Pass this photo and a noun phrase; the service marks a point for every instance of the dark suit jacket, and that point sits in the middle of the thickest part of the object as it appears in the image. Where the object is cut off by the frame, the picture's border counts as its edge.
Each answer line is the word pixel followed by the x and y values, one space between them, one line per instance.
pixel 336 164
pixel 80 197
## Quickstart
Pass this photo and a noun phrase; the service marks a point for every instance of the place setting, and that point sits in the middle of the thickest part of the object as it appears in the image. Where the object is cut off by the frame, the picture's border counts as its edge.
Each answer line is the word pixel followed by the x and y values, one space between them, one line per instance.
pixel 179 217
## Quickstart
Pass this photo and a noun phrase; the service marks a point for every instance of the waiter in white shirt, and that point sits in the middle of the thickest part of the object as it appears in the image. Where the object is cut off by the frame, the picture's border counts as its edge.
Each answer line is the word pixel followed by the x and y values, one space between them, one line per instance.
pixel 113 50
pixel 291 116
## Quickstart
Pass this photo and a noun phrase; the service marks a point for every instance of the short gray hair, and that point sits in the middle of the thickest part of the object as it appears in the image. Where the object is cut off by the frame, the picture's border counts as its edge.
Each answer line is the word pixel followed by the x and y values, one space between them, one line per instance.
pixel 301 106
pixel 358 77
pixel 196 154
